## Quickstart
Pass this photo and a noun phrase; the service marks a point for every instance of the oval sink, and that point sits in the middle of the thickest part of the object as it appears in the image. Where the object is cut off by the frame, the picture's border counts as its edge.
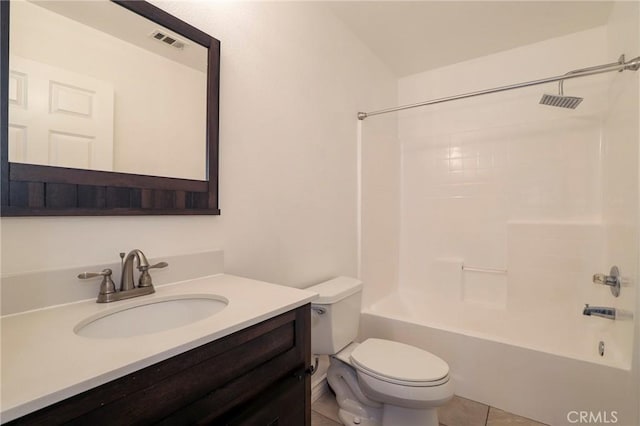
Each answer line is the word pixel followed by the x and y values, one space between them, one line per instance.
pixel 153 316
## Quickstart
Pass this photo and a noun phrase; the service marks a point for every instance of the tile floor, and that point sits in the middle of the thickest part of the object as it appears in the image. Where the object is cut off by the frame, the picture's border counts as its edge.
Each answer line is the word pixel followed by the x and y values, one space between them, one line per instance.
pixel 457 412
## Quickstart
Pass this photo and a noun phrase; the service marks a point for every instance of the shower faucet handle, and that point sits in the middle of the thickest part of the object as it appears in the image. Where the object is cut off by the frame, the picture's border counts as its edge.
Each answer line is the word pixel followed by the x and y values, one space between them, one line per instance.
pixel 613 280
pixel 605 279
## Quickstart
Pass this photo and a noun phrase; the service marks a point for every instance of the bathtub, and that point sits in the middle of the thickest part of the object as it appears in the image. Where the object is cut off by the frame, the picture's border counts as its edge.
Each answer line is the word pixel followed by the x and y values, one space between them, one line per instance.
pixel 523 362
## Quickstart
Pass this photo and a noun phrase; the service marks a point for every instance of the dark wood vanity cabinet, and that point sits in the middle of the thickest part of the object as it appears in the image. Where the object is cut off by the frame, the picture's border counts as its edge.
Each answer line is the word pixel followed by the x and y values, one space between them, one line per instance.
pixel 255 377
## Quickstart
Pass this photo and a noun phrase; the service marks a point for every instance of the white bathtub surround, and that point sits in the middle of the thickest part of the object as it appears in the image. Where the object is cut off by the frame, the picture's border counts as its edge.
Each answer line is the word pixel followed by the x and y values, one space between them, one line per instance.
pixel 539 311
pixel 529 383
pixel 82 363
pixel 504 184
pixel 534 200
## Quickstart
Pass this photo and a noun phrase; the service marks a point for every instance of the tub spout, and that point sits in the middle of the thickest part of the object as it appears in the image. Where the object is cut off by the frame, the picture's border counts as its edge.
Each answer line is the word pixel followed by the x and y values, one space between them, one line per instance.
pixel 599 311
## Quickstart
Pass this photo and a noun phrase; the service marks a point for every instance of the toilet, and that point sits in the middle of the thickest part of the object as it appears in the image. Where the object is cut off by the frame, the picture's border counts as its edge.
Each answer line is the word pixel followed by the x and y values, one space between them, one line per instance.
pixel 377 382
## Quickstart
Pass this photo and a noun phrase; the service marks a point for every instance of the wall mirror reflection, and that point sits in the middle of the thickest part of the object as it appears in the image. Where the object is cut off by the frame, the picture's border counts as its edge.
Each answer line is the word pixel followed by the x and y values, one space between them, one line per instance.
pixel 107 108
pixel 94 86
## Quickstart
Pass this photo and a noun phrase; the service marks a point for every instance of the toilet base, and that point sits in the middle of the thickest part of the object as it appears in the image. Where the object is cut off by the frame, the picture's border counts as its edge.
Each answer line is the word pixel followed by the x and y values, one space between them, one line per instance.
pixel 356 408
pixel 392 415
pixel 350 419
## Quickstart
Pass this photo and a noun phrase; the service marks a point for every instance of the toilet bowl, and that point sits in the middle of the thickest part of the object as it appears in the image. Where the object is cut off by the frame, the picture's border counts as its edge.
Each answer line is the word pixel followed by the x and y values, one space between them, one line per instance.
pixel 377 382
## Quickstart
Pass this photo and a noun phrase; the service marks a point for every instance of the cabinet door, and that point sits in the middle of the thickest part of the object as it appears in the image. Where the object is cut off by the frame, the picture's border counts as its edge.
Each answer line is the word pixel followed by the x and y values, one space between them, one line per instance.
pixel 283 405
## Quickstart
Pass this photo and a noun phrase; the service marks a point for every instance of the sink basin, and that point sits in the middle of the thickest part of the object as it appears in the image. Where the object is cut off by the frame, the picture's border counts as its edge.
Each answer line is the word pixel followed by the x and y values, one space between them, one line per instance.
pixel 152 316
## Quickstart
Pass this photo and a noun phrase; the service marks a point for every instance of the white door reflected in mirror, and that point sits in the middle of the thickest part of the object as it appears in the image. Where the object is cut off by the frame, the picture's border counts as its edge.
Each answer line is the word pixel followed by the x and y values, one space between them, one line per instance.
pixel 59 118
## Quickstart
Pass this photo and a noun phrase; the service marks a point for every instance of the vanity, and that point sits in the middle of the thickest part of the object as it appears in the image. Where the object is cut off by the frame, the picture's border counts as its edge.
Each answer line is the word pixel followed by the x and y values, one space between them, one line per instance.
pixel 104 135
pixel 245 364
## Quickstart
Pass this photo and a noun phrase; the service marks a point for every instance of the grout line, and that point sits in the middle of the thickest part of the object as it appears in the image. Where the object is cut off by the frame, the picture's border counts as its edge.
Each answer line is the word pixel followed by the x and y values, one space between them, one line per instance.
pixel 486 420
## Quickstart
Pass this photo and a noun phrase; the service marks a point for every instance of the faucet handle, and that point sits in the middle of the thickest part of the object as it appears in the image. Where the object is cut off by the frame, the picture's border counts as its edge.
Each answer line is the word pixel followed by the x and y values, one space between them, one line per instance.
pixel 87 275
pixel 145 277
pixel 107 286
pixel 158 265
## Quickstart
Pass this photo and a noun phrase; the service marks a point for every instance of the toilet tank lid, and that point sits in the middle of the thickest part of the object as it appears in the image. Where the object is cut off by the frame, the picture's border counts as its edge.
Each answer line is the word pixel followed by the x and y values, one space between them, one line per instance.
pixel 335 290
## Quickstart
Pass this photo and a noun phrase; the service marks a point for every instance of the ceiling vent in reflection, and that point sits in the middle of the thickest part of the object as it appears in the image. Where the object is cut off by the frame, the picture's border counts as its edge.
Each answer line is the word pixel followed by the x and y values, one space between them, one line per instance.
pixel 167 39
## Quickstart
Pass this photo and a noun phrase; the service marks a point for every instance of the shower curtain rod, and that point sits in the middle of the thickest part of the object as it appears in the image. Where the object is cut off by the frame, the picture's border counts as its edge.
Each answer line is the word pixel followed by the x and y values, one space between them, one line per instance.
pixel 621 65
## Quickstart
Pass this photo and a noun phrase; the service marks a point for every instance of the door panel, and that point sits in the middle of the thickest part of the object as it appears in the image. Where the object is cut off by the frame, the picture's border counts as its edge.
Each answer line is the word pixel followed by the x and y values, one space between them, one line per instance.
pixel 59 118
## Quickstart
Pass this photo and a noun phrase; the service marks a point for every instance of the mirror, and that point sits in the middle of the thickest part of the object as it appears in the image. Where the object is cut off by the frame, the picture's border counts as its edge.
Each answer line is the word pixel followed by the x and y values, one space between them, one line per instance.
pixel 119 99
pixel 106 89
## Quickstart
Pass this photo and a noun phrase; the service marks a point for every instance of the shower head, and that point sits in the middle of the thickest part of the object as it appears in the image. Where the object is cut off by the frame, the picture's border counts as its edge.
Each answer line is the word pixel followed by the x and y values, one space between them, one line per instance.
pixel 560 100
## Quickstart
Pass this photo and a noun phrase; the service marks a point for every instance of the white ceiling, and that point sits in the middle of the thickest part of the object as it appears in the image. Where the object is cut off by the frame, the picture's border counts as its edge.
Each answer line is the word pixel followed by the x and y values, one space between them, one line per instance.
pixel 121 23
pixel 415 36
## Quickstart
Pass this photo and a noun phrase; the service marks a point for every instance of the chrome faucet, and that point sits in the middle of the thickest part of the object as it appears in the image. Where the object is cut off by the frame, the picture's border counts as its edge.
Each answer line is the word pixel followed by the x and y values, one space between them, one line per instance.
pixel 599 311
pixel 128 288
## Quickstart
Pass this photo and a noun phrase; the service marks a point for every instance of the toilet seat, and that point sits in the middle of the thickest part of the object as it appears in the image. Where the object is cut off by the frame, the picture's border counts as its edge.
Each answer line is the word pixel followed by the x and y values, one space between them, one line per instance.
pixel 399 364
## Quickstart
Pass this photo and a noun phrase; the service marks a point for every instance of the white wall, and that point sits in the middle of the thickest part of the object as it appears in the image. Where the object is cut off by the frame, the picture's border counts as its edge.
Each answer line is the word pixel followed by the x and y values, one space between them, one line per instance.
pixel 380 207
pixel 293 79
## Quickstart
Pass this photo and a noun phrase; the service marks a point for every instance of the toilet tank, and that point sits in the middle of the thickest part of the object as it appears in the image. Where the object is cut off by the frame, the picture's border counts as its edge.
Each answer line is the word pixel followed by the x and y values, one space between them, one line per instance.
pixel 335 314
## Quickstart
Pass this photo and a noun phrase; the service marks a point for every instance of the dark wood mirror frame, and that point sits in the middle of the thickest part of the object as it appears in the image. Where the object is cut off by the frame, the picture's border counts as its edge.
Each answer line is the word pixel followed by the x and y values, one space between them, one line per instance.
pixel 33 190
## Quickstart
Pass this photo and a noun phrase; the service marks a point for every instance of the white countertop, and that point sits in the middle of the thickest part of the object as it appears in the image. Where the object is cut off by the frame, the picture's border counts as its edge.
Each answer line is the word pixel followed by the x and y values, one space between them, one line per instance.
pixel 44 361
